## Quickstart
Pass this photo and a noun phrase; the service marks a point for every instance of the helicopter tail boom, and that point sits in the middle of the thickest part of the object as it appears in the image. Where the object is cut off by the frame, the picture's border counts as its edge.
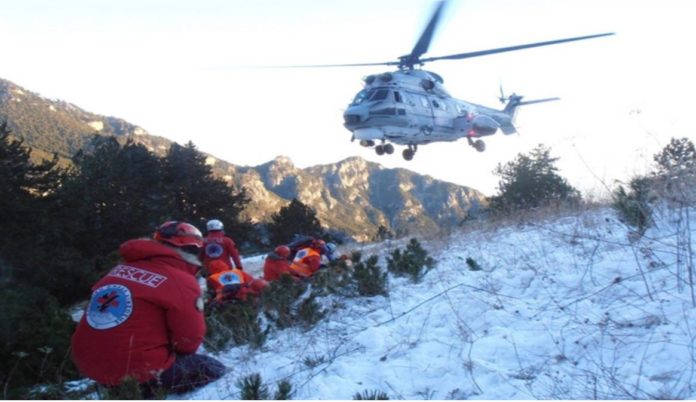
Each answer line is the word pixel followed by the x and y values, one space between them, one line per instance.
pixel 513 102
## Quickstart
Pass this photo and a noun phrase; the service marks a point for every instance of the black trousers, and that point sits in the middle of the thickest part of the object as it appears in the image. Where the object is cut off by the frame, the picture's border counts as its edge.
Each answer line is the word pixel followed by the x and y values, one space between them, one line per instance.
pixel 186 374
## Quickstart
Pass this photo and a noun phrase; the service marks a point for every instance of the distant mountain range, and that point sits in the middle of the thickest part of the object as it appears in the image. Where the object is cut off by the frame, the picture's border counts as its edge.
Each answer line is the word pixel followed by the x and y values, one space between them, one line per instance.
pixel 353 196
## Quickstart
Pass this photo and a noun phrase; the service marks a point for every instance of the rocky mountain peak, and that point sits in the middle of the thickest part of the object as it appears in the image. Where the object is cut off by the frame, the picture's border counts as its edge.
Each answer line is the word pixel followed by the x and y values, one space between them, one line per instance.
pixel 283 160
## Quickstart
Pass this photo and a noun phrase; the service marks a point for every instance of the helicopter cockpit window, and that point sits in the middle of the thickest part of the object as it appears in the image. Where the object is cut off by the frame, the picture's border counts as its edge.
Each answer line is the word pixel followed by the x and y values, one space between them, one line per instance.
pixel 380 94
pixel 361 97
pixel 371 95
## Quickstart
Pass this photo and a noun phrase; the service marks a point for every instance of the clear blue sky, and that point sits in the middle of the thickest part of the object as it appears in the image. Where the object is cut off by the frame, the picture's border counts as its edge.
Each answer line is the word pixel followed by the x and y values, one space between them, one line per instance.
pixel 172 68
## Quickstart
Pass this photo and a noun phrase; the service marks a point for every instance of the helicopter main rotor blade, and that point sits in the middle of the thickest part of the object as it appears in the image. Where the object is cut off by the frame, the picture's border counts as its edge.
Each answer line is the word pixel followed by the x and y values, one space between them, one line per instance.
pixel 511 48
pixel 426 37
pixel 386 63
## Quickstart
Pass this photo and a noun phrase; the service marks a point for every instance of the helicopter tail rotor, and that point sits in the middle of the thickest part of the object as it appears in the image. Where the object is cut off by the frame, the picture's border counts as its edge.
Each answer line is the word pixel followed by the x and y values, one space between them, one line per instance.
pixel 502 97
pixel 512 100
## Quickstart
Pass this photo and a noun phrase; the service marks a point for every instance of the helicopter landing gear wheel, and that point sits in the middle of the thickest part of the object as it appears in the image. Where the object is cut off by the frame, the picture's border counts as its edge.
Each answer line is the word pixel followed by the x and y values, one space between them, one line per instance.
pixel 379 149
pixel 388 149
pixel 478 145
pixel 409 152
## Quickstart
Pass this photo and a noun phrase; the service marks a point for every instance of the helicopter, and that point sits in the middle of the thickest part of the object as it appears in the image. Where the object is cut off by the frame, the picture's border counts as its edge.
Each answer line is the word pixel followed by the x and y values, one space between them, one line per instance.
pixel 411 107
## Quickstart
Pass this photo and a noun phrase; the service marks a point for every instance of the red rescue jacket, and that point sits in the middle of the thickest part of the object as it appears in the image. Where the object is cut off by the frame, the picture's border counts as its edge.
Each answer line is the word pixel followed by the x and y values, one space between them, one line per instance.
pixel 306 262
pixel 276 266
pixel 222 248
pixel 141 313
pixel 234 283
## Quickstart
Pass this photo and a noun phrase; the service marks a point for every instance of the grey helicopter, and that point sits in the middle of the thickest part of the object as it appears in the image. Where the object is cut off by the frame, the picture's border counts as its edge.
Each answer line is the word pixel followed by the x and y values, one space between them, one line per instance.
pixel 411 107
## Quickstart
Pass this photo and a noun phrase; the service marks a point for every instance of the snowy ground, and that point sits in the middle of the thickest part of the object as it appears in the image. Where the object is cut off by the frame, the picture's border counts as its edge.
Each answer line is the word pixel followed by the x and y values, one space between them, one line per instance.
pixel 567 309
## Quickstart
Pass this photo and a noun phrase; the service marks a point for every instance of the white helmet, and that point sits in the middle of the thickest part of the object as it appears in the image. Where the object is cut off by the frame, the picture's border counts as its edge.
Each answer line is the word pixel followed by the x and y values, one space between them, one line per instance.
pixel 331 248
pixel 214 224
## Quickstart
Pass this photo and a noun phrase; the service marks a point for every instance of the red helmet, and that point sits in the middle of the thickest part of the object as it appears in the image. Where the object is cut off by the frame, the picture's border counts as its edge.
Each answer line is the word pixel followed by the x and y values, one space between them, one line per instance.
pixel 179 234
pixel 319 244
pixel 282 251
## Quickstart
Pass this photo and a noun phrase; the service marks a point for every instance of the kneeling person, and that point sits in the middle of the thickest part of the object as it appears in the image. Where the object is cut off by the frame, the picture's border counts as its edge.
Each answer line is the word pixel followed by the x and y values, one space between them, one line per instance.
pixel 145 317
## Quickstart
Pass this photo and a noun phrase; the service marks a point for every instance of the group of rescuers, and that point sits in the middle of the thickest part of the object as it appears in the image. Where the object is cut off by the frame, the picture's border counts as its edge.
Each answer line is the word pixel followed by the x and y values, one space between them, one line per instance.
pixel 144 321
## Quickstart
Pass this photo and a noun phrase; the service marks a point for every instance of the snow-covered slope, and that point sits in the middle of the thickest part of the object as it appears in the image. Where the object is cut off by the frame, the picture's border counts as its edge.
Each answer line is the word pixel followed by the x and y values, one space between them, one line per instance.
pixel 568 308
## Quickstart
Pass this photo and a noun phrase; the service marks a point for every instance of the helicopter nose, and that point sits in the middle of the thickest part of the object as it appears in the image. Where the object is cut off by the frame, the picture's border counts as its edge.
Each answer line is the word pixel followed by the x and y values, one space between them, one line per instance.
pixel 351 118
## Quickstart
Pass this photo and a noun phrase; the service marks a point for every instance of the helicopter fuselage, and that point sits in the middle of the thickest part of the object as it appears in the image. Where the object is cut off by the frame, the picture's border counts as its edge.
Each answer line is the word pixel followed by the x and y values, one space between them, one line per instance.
pixel 411 107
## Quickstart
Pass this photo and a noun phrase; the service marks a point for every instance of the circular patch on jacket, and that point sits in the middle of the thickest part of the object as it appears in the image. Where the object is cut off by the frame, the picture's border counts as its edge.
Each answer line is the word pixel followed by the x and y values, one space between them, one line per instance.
pixel 213 250
pixel 229 278
pixel 301 254
pixel 109 307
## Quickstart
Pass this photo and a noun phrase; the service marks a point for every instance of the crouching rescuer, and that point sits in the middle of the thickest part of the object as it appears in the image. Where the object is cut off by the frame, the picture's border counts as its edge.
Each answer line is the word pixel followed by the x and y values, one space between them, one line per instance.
pixel 233 284
pixel 145 317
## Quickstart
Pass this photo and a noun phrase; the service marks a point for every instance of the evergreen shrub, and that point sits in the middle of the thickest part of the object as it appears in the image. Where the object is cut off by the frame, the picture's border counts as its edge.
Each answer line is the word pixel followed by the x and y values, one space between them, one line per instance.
pixel 371 395
pixel 234 323
pixel 285 304
pixel 472 264
pixel 336 278
pixel 34 344
pixel 633 207
pixel 253 389
pixel 369 277
pixel 413 262
pixel 309 312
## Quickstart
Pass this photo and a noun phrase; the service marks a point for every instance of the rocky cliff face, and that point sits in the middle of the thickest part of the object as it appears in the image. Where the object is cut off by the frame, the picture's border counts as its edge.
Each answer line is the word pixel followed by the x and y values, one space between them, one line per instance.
pixel 356 196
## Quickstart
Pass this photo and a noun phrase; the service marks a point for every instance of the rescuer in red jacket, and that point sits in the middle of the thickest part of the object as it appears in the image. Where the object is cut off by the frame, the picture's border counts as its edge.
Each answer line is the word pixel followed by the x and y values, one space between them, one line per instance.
pixel 308 260
pixel 219 247
pixel 277 264
pixel 145 317
pixel 234 284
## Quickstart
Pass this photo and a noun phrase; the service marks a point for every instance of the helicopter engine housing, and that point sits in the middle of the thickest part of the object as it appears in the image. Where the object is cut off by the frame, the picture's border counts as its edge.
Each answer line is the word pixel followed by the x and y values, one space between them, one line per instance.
pixel 484 125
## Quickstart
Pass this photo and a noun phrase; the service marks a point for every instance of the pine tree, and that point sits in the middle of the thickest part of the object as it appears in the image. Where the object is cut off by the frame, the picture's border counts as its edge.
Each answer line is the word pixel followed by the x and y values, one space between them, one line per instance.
pixel 26 189
pixel 111 195
pixel 531 181
pixel 196 196
pixel 677 158
pixel 116 191
pixel 676 171
pixel 295 218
